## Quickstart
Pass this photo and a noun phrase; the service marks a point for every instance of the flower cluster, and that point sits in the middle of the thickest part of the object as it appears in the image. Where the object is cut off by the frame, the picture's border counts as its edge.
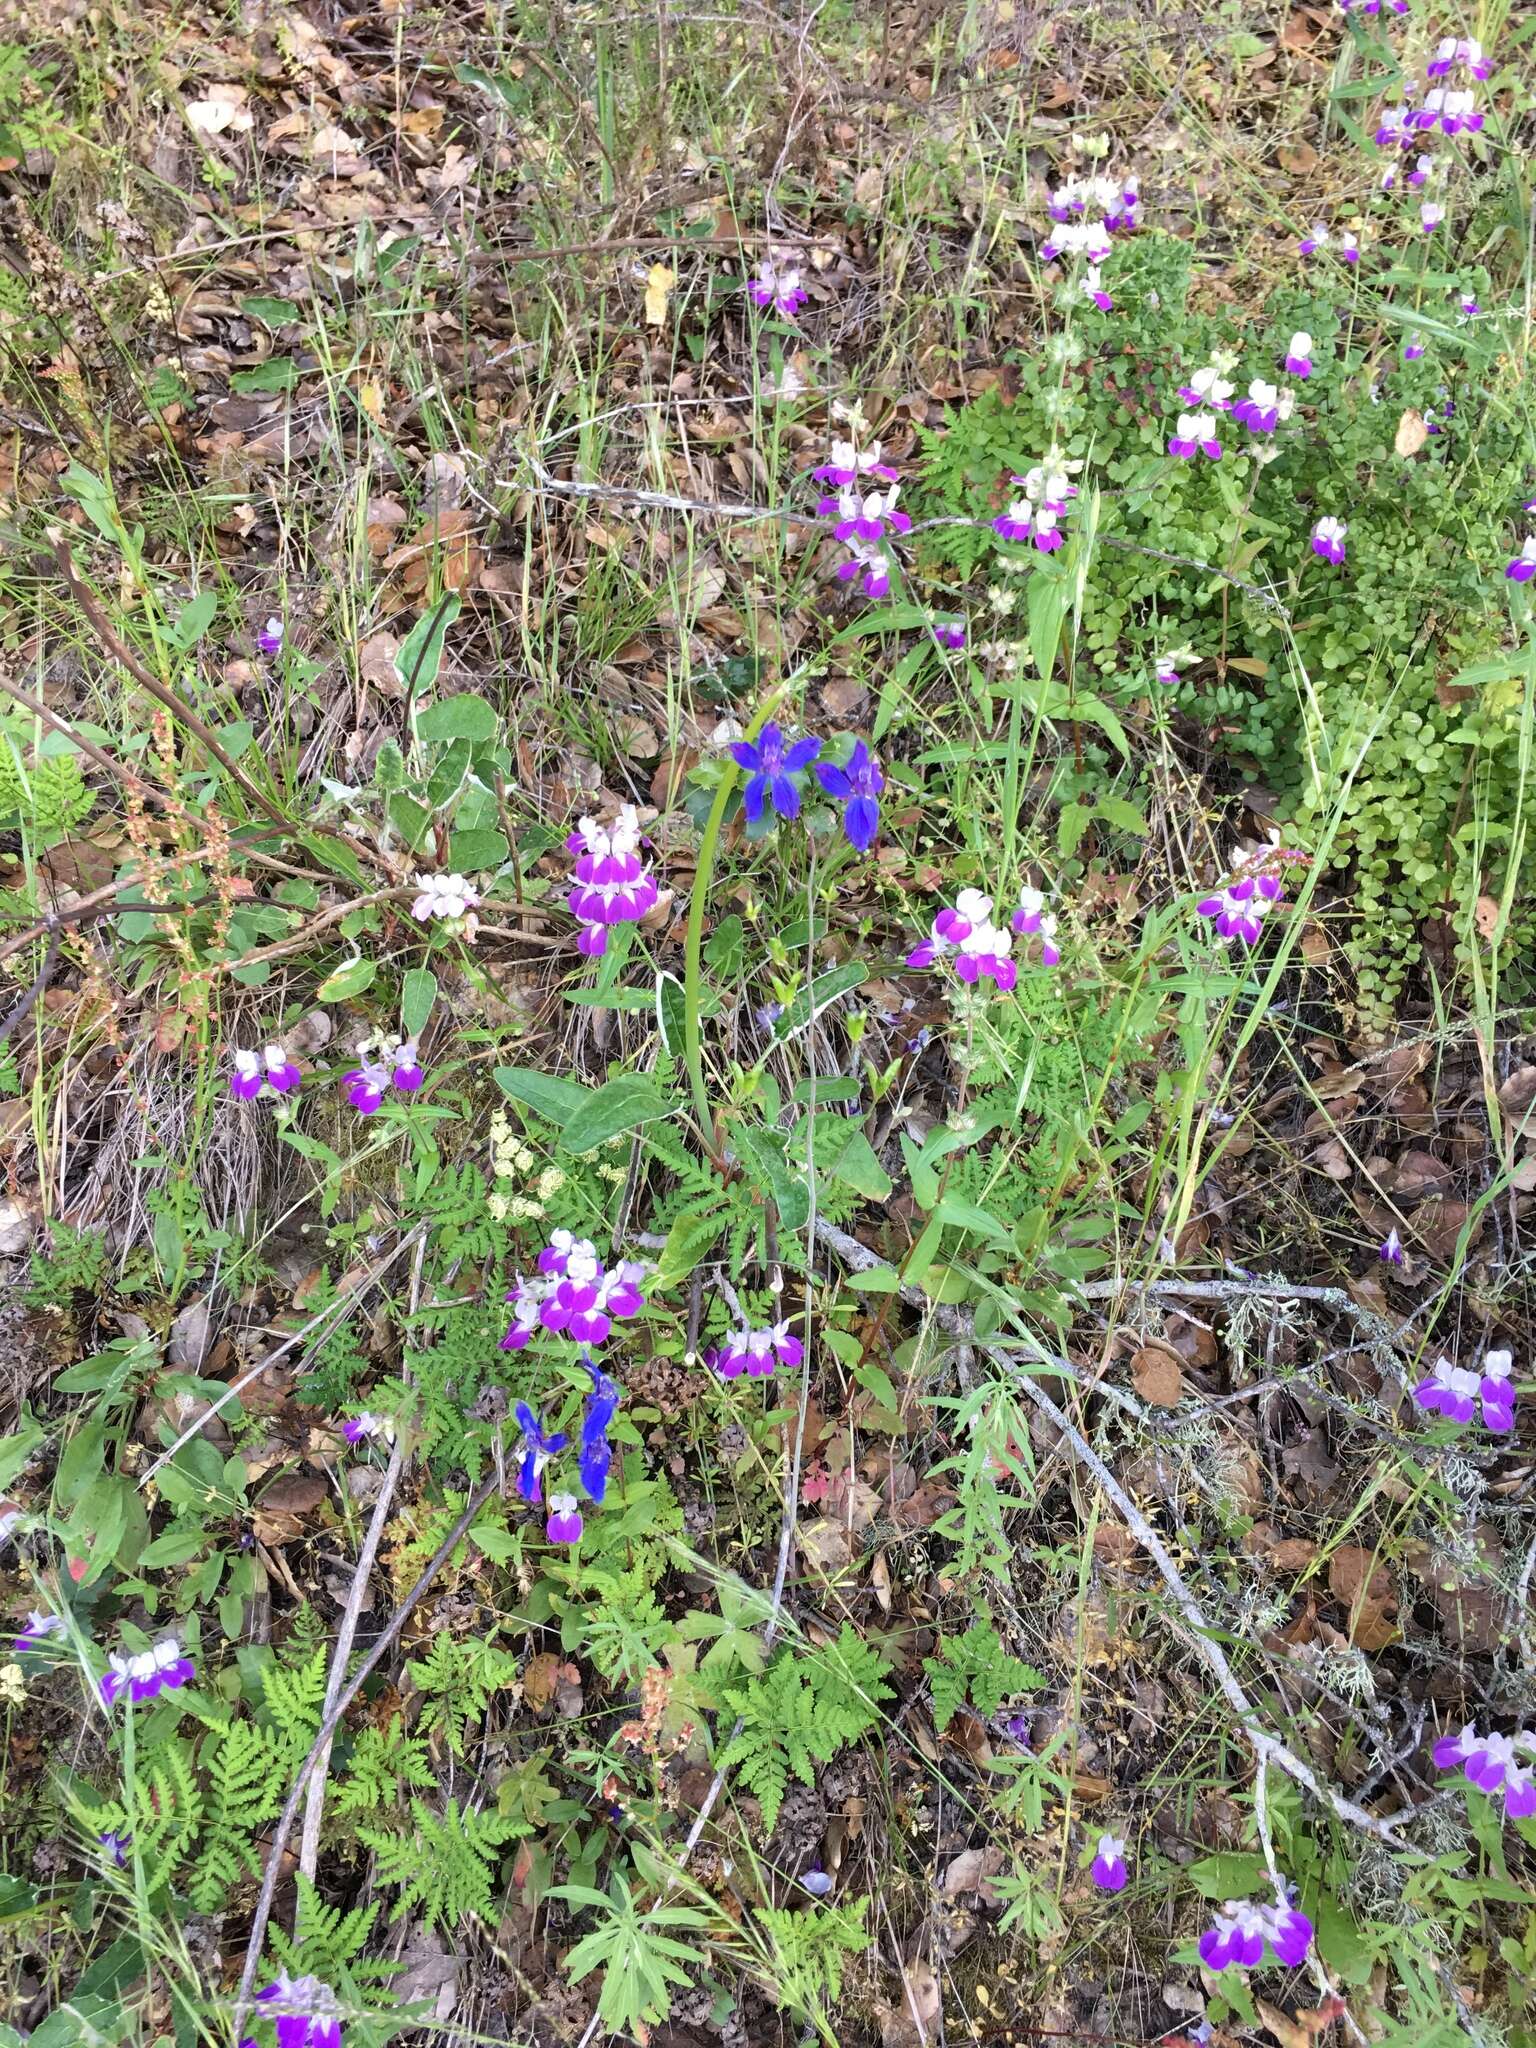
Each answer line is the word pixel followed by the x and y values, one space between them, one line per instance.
pixel 756 1352
pixel 363 1427
pixel 269 641
pixel 256 1071
pixel 1490 1763
pixel 575 1295
pixel 609 884
pixel 1245 1930
pixel 777 284
pixel 1240 909
pixel 1036 514
pixel 1267 406
pixel 980 948
pixel 1320 238
pixel 776 767
pixel 305 2012
pixel 367 1082
pixel 863 515
pixel 145 1674
pixel 1087 214
pixel 1454 1392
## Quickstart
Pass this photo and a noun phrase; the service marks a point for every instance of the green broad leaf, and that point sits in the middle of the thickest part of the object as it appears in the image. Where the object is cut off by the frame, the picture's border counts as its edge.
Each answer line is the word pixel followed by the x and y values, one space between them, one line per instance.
pixel 176 1546
pixel 17 1899
pixel 195 617
pixel 277 374
pixel 1123 815
pixel 973 1221
pixel 350 979
pixel 1072 823
pixel 456 718
pixel 762 1154
pixel 236 737
pixel 332 853
pixel 270 312
pixel 1231 1875
pixel 95 500
pixel 612 998
pixel 17 1448
pixel 418 992
pixel 891 618
pixel 553 1100
pixel 825 989
pixel 81 1462
pixel 671 1013
pixel 858 1167
pixel 896 682
pixel 506 91
pixel 724 950
pixel 879 1280
pixel 824 1088
pixel 421 651
pixel 476 848
pixel 690 1237
pixel 618 1107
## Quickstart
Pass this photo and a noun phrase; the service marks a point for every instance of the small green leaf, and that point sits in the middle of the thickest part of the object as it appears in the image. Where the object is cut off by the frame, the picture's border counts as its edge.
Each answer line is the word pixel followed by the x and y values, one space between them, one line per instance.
pixel 270 312
pixel 857 1167
pixel 690 1237
pixel 195 617
pixel 278 373
pixel 350 979
pixel 421 652
pixel 476 848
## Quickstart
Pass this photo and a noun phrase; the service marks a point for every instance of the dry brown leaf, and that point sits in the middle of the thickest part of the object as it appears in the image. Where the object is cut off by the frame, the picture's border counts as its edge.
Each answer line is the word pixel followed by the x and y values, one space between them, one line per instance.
pixel 911 2021
pixel 1157 1375
pixel 1360 1582
pixel 972 1871
pixel 1411 434
pixel 1518 1093
pixel 1332 1159
pixel 824 1545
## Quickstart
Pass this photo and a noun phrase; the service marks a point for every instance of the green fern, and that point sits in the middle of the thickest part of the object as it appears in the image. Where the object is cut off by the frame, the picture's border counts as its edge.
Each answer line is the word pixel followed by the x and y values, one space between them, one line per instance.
pixel 459 1679
pixel 800 1712
pixel 383 1765
pixel 444 1866
pixel 810 1948
pixel 60 799
pixel 247 1776
pixel 294 1698
pixel 328 1943
pixel 975 1667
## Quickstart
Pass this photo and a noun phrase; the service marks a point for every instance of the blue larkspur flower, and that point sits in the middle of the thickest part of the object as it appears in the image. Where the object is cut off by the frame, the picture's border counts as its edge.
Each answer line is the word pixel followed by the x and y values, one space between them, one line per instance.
pixel 596 1451
pixel 772 764
pixel 537 1450
pixel 856 788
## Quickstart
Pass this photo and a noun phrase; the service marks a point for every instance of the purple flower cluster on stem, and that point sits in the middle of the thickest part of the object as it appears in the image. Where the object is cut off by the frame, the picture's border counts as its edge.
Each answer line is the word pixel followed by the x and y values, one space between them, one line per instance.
pixel 757 1352
pixel 1108 1869
pixel 777 284
pixel 39 1628
pixel 1490 1762
pixel 1036 514
pixel 145 1674
pixel 305 2012
pixel 610 884
pixel 1239 910
pixel 772 762
pixel 367 1083
pixel 1454 1392
pixel 1245 1931
pixel 575 1295
pixel 256 1072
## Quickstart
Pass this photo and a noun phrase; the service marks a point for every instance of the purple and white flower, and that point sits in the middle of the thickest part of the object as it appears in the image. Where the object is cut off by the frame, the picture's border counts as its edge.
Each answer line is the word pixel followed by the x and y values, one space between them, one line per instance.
pixel 1349 248
pixel 1454 1392
pixel 306 2012
pixel 1209 388
pixel 563 1523
pixel 948 633
pixel 1489 1762
pixel 865 517
pixel 1031 920
pixel 1391 1248
pixel 145 1674
pixel 1424 168
pixel 980 948
pixel 1092 287
pixel 367 1083
pixel 1454 110
pixel 610 884
pixel 448 899
pixel 857 788
pixel 1431 213
pixel 1319 238
pixel 116 1846
pixel 1328 539
pixel 870 564
pixel 1194 435
pixel 1465 51
pixel 777 284
pixel 1523 567
pixel 1245 1930
pixel 773 761
pixel 39 1628
pixel 1413 348
pixel 269 641
pixel 757 1352
pixel 1265 407
pixel 1298 354
pixel 1394 127
pixel 851 465
pixel 1036 513
pixel 256 1071
pixel 364 1426
pixel 575 1296
pixel 1108 1867
pixel 1469 306
pixel 1240 909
